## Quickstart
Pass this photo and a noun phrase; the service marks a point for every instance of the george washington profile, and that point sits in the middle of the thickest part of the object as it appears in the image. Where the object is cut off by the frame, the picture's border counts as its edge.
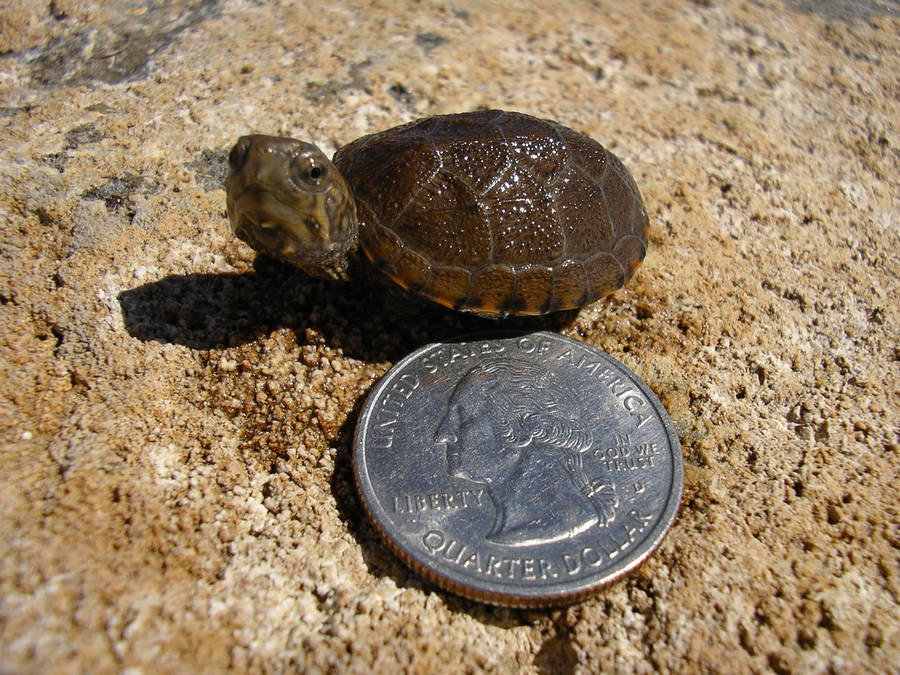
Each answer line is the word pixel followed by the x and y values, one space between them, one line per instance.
pixel 511 426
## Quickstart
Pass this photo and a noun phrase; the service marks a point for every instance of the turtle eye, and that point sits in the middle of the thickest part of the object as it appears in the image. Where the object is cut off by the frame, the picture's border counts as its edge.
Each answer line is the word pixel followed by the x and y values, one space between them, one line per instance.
pixel 308 171
pixel 238 154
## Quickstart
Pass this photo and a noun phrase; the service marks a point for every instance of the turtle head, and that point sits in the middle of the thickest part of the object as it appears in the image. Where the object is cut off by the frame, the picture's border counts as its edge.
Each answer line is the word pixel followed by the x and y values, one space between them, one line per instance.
pixel 286 199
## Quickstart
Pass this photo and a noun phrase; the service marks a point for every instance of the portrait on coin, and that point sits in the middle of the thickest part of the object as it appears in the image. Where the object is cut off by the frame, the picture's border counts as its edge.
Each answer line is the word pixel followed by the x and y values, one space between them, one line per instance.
pixel 511 426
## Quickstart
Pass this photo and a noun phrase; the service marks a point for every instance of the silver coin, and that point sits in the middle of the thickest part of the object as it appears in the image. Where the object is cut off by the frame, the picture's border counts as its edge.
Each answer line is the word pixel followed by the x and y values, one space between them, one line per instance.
pixel 524 471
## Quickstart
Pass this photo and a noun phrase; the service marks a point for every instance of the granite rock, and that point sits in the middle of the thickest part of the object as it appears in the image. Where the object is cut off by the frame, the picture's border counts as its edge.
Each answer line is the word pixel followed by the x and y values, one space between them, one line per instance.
pixel 176 416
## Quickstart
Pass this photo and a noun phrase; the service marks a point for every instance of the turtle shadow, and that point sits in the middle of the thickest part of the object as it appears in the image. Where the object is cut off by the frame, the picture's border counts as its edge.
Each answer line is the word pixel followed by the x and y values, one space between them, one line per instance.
pixel 214 311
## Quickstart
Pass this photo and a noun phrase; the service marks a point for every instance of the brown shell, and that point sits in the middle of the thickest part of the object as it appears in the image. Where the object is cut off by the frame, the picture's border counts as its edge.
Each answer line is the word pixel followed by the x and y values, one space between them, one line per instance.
pixel 496 212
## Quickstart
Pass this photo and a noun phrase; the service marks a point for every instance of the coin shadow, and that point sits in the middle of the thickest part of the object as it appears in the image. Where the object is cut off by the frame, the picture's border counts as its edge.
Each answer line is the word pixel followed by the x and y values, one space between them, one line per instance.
pixel 382 562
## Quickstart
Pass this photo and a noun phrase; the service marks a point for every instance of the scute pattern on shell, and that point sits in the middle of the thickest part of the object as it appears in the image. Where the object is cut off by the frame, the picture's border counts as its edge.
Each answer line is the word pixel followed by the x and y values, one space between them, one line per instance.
pixel 496 212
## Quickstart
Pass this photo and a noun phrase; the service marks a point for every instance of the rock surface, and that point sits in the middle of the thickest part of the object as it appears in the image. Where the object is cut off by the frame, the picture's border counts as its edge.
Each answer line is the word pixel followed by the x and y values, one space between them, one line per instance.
pixel 176 418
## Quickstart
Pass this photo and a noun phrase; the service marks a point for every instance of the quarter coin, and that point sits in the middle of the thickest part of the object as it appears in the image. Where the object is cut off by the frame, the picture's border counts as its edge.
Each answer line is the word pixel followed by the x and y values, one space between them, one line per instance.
pixel 525 471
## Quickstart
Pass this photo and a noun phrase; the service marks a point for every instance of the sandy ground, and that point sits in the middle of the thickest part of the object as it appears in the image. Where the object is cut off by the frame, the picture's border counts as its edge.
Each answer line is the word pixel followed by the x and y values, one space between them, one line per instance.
pixel 176 419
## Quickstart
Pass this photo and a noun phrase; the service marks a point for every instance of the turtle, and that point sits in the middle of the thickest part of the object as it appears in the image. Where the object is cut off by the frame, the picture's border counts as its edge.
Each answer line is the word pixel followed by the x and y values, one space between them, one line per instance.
pixel 492 212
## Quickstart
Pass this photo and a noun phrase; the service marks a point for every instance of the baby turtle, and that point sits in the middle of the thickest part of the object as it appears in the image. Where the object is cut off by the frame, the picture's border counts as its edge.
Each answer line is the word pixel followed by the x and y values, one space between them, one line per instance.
pixel 491 212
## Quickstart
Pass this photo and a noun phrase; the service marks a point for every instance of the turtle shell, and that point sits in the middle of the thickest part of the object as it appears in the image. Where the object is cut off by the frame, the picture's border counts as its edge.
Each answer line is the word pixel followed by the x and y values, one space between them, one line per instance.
pixel 496 212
